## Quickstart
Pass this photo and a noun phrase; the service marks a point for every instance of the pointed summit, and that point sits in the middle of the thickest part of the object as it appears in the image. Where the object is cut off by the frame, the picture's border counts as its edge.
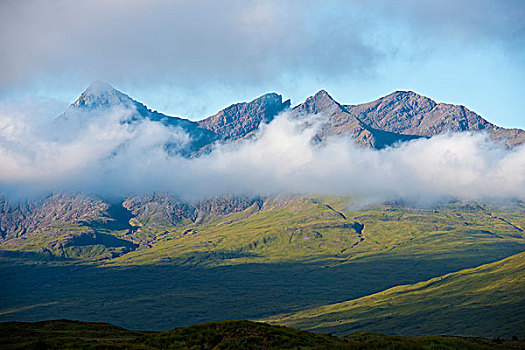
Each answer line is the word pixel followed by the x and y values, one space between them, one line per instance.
pixel 322 94
pixel 240 120
pixel 101 94
pixel 321 102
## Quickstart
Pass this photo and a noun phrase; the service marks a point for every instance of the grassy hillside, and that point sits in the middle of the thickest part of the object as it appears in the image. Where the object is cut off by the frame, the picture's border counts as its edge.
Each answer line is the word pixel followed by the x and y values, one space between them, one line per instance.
pixel 287 229
pixel 283 255
pixel 482 301
pixel 62 334
pixel 282 229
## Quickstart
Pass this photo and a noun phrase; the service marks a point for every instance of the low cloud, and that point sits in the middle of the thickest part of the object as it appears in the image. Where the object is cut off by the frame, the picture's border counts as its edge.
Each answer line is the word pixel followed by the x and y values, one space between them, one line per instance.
pixel 97 153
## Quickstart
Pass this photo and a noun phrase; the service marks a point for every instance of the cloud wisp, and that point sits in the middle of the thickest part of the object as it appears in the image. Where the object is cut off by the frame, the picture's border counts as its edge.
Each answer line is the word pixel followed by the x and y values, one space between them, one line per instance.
pixel 98 153
pixel 241 42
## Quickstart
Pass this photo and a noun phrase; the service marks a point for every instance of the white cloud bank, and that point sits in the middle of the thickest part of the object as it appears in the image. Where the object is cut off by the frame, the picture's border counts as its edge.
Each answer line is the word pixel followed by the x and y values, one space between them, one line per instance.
pixel 96 153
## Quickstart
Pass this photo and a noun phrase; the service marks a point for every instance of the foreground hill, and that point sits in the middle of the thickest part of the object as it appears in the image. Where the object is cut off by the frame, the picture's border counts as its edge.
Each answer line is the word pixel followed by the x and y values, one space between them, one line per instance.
pixel 489 299
pixel 62 334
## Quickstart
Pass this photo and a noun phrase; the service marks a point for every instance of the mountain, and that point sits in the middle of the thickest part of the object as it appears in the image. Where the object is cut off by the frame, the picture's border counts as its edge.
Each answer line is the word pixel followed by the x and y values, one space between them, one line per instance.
pixel 241 120
pixel 481 301
pixel 21 218
pixel 341 121
pixel 178 263
pixel 400 116
pixel 100 96
pixel 407 113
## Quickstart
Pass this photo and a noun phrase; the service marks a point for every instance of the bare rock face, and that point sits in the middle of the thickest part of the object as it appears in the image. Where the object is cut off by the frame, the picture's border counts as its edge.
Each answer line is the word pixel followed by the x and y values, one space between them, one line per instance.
pixel 400 116
pixel 161 208
pixel 408 113
pixel 102 97
pixel 240 120
pixel 342 122
pixel 19 218
pixel 100 94
pixel 168 209
pixel 224 205
pixel 511 137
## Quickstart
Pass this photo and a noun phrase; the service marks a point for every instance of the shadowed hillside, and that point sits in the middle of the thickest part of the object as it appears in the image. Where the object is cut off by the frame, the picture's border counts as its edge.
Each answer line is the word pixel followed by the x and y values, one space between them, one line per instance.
pixel 62 334
pixel 485 300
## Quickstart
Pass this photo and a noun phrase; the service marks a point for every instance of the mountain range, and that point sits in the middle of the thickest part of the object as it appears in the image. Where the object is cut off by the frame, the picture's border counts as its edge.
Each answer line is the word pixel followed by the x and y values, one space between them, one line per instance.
pixel 156 260
pixel 397 117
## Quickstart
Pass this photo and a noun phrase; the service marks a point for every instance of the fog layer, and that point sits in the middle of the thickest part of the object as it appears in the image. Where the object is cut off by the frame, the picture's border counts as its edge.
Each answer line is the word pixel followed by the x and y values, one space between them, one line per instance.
pixel 99 153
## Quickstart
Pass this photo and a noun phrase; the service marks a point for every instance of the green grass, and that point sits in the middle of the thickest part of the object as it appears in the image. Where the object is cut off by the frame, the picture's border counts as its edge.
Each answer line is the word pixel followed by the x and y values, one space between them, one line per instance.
pixel 238 335
pixel 486 300
pixel 308 229
pixel 294 254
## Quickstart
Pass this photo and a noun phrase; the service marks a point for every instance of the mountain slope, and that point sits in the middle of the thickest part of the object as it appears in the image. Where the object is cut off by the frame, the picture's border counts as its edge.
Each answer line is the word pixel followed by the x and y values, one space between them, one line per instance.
pixel 292 228
pixel 400 116
pixel 482 301
pixel 240 120
pixel 21 218
pixel 343 122
pixel 100 97
pixel 283 255
pixel 407 113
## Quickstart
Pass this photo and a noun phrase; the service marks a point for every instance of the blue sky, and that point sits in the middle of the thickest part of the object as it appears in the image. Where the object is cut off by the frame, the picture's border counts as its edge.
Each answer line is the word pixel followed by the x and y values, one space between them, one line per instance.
pixel 192 58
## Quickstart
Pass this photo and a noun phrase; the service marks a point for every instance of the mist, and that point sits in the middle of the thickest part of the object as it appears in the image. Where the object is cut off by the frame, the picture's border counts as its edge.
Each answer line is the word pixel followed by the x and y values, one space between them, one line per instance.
pixel 97 153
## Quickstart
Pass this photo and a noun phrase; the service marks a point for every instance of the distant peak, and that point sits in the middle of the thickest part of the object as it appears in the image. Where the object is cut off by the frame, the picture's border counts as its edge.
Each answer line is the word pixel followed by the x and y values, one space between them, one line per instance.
pixel 405 94
pixel 321 97
pixel 101 94
pixel 268 97
pixel 323 94
pixel 98 87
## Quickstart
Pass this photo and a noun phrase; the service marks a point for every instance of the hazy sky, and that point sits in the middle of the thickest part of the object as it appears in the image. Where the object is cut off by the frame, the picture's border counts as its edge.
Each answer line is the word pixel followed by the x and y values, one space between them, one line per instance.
pixel 192 58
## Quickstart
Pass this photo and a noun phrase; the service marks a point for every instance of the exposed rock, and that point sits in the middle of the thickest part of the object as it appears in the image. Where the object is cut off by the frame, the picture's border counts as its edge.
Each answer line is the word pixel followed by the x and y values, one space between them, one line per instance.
pixel 168 209
pixel 224 205
pixel 103 97
pixel 19 218
pixel 342 122
pixel 407 113
pixel 240 120
pixel 159 208
pixel 400 116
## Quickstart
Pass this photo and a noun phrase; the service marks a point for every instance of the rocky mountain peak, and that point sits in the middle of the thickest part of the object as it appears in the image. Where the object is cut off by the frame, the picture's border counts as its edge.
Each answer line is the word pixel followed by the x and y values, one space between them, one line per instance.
pixel 241 119
pixel 101 94
pixel 409 98
pixel 322 94
pixel 321 102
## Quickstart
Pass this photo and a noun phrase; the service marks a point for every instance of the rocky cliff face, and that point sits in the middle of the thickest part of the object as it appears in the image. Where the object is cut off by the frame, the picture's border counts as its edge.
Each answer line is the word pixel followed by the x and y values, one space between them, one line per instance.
pixel 400 116
pixel 240 120
pixel 342 122
pixel 407 113
pixel 102 97
pixel 168 209
pixel 20 218
pixel 80 225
